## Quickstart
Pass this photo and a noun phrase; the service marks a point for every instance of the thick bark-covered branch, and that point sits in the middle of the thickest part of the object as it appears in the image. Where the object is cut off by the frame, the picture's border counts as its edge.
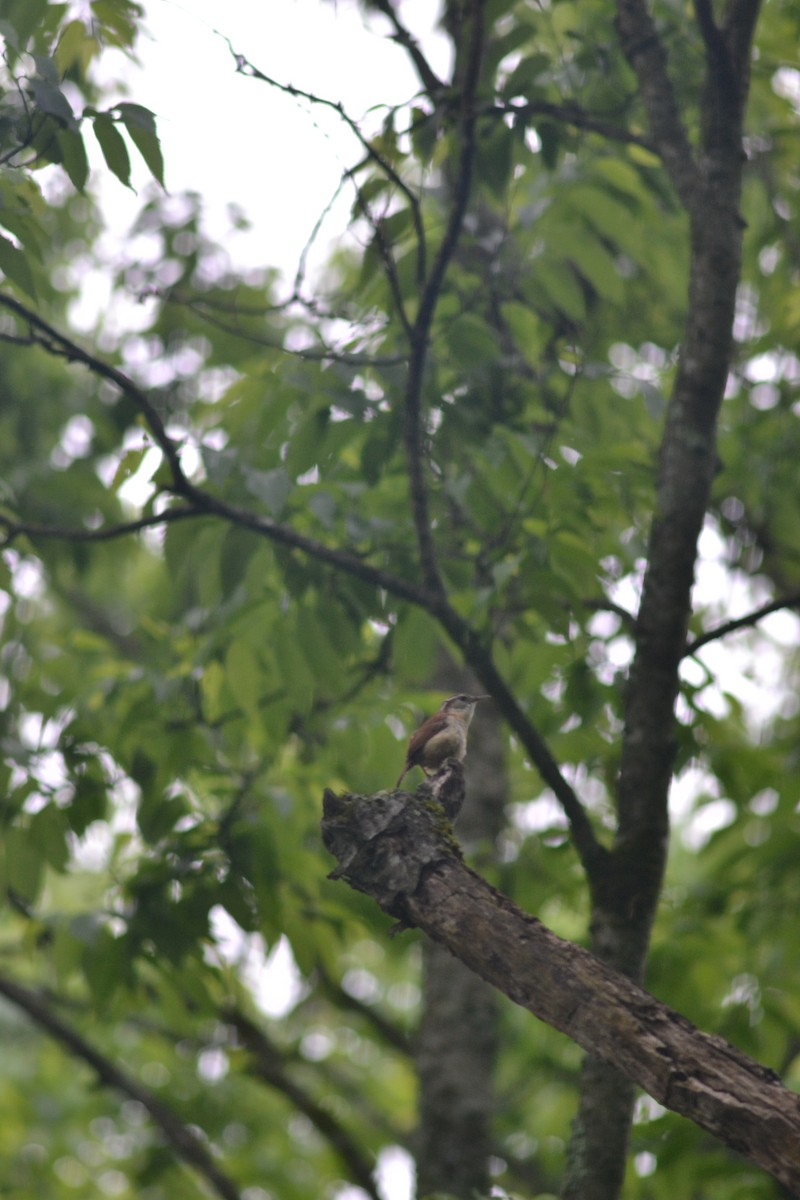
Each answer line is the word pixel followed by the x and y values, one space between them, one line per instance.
pixel 399 850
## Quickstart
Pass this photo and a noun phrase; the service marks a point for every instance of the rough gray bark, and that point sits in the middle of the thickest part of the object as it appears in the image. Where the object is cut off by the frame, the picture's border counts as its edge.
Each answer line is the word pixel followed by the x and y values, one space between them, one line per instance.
pixel 455 1055
pixel 400 850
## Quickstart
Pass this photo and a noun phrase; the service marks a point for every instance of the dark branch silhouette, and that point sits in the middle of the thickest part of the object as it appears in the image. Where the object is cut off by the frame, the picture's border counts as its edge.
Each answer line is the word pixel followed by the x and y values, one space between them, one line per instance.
pixel 745 622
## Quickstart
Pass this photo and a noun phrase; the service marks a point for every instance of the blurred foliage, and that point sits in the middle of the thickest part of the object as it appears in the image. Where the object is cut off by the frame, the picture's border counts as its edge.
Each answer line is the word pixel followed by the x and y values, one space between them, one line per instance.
pixel 174 701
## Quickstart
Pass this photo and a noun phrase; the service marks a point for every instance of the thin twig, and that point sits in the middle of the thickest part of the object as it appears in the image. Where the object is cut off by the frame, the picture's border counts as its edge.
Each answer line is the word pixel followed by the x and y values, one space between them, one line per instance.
pixel 106 533
pixel 573 114
pixel 245 67
pixel 745 622
pixel 405 38
pixel 323 354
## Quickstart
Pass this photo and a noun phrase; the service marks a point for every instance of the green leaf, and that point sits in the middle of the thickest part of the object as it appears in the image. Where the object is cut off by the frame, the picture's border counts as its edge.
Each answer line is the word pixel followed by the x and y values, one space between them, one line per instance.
pixel 14 264
pixel 105 965
pixel 561 287
pixel 272 488
pixel 244 678
pixel 141 126
pixel 471 341
pixel 51 100
pixel 530 333
pixel 494 157
pixel 48 833
pixel 295 672
pixel 112 144
pixel 71 44
pixel 524 79
pixel 158 814
pixel 598 266
pixel 24 865
pixel 73 157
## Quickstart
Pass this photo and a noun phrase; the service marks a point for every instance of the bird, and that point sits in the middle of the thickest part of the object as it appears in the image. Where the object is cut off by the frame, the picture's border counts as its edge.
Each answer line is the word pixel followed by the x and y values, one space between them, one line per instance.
pixel 444 735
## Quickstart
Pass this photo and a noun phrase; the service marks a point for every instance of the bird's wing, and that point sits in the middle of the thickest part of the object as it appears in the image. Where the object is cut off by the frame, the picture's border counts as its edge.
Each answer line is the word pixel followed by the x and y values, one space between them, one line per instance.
pixel 423 735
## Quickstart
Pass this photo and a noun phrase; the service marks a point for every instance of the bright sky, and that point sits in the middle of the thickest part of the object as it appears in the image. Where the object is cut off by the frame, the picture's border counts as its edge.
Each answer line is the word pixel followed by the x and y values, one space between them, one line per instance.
pixel 238 141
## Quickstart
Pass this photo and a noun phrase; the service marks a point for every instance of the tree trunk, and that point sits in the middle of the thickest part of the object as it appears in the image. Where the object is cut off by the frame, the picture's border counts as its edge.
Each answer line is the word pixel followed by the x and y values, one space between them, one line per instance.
pixel 708 183
pixel 456 1045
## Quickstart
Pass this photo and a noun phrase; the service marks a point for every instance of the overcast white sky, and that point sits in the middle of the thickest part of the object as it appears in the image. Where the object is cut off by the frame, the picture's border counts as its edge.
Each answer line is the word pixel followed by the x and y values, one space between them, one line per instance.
pixel 236 140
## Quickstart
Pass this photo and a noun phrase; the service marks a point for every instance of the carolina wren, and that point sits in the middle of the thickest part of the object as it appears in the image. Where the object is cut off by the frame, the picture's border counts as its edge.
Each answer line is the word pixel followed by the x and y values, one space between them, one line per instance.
pixel 444 735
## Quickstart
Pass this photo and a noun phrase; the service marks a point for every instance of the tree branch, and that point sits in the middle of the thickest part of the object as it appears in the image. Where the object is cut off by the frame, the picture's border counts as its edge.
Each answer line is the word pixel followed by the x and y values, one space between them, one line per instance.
pixel 269 1067
pixel 405 38
pixel 105 533
pixel 391 847
pixel 199 503
pixel 572 114
pixel 745 622
pixel 244 66
pixel 186 1144
pixel 54 342
pixel 414 435
pixel 738 26
pixel 645 52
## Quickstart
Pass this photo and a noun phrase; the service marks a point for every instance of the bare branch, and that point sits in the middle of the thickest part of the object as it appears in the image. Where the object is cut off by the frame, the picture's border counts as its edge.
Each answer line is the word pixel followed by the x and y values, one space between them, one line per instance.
pixel 186 1144
pixel 645 52
pixel 414 430
pixel 106 533
pixel 628 618
pixel 738 25
pixel 573 114
pixel 405 38
pixel 50 339
pixel 244 66
pixel 745 622
pixel 710 32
